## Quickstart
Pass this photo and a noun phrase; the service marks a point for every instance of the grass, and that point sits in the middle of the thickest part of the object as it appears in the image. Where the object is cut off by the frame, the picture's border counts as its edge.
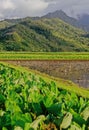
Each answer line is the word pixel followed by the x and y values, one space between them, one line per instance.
pixel 60 83
pixel 44 56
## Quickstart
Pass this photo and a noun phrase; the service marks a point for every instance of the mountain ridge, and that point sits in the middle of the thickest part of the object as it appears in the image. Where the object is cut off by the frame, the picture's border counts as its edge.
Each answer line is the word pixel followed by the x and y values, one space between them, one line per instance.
pixel 82 21
pixel 63 16
pixel 42 34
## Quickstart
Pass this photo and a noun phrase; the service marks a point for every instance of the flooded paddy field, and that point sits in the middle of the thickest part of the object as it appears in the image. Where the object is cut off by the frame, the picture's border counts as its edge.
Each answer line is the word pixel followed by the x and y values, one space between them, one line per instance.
pixel 76 71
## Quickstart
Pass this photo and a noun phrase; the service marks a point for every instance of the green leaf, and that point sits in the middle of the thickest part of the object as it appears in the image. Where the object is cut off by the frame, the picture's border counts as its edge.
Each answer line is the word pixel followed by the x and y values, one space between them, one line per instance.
pixel 82 104
pixel 34 125
pixel 73 127
pixel 35 95
pixel 1 113
pixel 77 117
pixel 12 106
pixel 5 120
pixel 85 113
pixel 37 108
pixel 47 101
pixel 66 121
pixel 2 99
pixel 19 119
pixel 4 128
pixel 27 117
pixel 18 128
pixel 54 88
pixel 55 109
pixel 27 126
pixel 76 126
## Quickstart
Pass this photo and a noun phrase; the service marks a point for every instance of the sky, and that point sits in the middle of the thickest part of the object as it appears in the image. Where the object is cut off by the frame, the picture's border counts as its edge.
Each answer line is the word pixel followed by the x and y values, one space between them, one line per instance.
pixel 24 8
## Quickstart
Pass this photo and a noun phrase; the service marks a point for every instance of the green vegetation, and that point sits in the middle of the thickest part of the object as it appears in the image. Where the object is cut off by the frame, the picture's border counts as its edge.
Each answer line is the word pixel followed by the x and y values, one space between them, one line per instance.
pixel 44 56
pixel 42 35
pixel 31 101
pixel 4 24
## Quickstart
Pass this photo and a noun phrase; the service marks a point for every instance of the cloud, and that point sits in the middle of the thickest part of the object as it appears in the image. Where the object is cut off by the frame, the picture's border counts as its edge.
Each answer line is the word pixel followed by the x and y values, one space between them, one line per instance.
pixel 30 7
pixel 23 8
pixel 6 4
pixel 5 7
pixel 71 7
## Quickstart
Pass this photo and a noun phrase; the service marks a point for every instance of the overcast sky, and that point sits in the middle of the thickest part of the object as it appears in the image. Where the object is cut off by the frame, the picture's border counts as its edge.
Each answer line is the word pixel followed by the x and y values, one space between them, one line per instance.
pixel 24 8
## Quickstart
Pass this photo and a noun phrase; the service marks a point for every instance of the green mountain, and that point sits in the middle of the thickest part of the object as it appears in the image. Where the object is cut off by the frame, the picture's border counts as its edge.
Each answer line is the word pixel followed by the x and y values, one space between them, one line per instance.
pixel 63 16
pixel 41 34
pixel 82 21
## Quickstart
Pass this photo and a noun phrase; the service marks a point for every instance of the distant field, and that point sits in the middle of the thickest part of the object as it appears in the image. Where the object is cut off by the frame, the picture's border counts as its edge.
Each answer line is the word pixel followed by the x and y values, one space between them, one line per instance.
pixel 44 56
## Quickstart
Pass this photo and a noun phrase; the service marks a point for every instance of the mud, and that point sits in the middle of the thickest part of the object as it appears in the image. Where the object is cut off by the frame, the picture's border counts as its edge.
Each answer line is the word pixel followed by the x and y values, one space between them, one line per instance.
pixel 77 71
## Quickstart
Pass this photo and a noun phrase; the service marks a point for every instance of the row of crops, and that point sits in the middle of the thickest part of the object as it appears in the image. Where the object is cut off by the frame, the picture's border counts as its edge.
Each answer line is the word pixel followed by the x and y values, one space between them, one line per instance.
pixel 44 56
pixel 27 102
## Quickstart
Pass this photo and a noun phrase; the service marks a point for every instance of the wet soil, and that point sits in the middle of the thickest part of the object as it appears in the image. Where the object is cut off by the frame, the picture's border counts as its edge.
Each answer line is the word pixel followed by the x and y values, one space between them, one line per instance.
pixel 77 71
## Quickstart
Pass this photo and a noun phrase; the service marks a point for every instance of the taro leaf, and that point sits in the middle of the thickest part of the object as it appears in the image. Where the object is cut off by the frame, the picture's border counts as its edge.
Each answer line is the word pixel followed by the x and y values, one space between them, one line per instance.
pixel 35 95
pixel 5 120
pixel 64 92
pixel 2 99
pixel 57 121
pixel 55 109
pixel 27 117
pixel 48 101
pixel 77 117
pixel 54 88
pixel 19 119
pixel 66 121
pixel 81 101
pixel 34 125
pixel 74 127
pixel 18 128
pixel 9 106
pixel 82 104
pixel 4 128
pixel 1 113
pixel 37 108
pixel 85 113
pixel 27 126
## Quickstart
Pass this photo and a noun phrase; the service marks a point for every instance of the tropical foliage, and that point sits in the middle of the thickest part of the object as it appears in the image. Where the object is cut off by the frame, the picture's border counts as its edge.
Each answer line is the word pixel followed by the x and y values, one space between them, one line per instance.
pixel 27 102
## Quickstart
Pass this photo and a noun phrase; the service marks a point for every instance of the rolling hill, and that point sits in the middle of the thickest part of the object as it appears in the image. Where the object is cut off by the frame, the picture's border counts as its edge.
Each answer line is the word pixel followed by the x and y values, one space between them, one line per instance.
pixel 41 34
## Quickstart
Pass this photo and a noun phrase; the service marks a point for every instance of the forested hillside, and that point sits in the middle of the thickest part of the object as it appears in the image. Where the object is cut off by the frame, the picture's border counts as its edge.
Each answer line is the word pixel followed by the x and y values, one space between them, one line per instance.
pixel 41 34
